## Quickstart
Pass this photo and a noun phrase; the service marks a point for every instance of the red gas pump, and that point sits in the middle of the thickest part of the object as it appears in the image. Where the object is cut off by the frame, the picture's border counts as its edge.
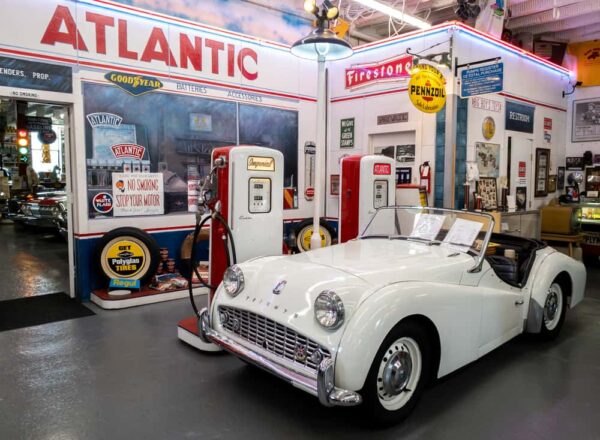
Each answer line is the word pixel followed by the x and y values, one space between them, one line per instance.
pixel 366 184
pixel 242 199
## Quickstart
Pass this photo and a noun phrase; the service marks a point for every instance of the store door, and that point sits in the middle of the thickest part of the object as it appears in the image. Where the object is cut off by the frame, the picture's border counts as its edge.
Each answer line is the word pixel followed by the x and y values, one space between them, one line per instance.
pixel 520 169
pixel 35 154
pixel 400 146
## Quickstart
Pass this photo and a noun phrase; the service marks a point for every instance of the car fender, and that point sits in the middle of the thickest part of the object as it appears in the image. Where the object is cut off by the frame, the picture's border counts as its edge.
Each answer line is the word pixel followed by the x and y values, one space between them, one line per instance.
pixel 551 266
pixel 454 310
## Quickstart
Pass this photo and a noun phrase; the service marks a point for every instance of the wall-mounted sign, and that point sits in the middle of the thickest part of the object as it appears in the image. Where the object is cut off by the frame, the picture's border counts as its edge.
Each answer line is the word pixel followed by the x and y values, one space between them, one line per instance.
pixel 134 84
pixel 486 104
pixel 35 75
pixel 334 185
pixel 137 194
pixel 392 69
pixel 586 120
pixel 482 80
pixel 38 123
pixel 547 123
pixel 427 89
pixel 522 169
pixel 102 119
pixel 347 133
pixel 393 118
pixel 47 136
pixel 519 117
pixel 574 163
pixel 488 128
pixel 102 203
pixel 260 163
pixel 128 151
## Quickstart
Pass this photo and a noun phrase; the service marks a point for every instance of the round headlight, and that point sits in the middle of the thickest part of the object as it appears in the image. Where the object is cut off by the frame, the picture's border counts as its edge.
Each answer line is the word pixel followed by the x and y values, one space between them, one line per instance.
pixel 233 280
pixel 329 310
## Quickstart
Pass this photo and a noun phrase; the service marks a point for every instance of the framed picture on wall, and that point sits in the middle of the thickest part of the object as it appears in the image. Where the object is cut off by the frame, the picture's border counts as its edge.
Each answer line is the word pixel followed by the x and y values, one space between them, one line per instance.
pixel 334 187
pixel 586 120
pixel 488 191
pixel 488 159
pixel 552 183
pixel 542 164
pixel 574 163
pixel 521 198
pixel 560 178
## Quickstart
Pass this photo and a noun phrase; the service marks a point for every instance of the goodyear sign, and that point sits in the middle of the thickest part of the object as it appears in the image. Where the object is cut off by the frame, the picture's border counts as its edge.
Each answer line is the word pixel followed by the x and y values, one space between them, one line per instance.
pixel 427 88
pixel 134 84
pixel 126 259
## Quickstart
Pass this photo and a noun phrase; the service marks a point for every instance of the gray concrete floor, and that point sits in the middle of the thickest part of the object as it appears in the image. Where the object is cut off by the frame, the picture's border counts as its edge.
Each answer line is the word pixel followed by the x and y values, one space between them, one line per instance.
pixel 124 375
pixel 32 262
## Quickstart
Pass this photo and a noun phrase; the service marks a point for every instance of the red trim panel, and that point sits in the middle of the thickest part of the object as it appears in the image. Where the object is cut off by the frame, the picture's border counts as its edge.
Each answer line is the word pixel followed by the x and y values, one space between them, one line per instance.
pixel 349 198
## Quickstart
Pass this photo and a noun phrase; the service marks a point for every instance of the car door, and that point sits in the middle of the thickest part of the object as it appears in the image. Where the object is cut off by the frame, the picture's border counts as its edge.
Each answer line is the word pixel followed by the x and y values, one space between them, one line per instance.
pixel 501 308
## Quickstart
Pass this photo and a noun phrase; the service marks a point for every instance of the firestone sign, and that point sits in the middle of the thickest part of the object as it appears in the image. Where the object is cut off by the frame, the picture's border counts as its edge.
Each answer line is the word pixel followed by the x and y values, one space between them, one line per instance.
pixel 392 69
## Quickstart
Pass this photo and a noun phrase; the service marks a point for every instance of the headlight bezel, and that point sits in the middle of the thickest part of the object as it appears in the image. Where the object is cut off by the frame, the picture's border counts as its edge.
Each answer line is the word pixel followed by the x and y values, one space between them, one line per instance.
pixel 233 274
pixel 332 302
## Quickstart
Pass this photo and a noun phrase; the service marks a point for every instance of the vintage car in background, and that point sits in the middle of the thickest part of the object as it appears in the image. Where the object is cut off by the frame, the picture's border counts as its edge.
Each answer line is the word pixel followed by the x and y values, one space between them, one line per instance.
pixel 46 210
pixel 421 293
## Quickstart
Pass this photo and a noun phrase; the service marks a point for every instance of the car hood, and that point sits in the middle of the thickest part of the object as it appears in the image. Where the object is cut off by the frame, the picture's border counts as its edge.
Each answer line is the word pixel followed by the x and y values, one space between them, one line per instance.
pixel 354 270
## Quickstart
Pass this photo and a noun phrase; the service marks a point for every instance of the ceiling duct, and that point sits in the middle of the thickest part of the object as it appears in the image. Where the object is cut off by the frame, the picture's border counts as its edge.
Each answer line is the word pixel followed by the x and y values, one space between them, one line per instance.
pixel 556 14
pixel 561 25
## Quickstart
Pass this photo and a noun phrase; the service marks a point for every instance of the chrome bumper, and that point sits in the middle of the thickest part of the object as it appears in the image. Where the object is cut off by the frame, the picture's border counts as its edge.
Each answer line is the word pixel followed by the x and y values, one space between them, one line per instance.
pixel 322 387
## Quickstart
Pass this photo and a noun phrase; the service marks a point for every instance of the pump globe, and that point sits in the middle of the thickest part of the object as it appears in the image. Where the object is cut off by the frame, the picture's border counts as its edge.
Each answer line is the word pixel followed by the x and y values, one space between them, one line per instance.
pixel 322 43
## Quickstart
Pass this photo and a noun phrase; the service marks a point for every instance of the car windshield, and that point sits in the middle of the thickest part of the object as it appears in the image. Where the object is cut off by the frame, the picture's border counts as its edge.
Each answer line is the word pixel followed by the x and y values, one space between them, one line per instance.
pixel 462 231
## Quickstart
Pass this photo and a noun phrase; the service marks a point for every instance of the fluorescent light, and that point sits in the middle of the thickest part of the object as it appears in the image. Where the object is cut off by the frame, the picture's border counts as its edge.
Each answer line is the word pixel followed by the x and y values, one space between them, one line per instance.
pixel 395 13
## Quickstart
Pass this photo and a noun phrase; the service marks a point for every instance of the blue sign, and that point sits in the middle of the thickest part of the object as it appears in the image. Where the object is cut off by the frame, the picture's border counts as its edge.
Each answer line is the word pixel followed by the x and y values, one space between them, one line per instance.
pixel 35 75
pixel 519 117
pixel 134 84
pixel 117 283
pixel 482 80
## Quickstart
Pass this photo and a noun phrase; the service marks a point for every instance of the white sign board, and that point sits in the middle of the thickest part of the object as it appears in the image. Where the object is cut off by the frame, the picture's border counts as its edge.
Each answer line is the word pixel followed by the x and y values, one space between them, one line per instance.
pixel 138 194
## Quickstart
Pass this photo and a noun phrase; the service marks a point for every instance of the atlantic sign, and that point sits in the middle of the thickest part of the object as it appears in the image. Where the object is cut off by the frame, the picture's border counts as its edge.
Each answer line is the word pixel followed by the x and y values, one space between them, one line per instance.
pixel 120 37
pixel 391 69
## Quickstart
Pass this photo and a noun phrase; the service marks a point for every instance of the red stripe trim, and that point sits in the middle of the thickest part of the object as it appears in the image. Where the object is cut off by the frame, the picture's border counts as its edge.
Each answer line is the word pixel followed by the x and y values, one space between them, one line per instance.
pixel 158 74
pixel 368 95
pixel 529 101
pixel 190 23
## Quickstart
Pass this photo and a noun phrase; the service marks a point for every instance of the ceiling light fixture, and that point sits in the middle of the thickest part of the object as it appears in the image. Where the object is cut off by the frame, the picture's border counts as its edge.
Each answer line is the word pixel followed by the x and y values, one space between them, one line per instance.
pixel 395 13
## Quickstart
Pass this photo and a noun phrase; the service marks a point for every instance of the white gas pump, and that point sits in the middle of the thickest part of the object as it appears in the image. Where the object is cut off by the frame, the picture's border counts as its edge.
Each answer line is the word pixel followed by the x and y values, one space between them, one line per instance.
pixel 243 200
pixel 366 183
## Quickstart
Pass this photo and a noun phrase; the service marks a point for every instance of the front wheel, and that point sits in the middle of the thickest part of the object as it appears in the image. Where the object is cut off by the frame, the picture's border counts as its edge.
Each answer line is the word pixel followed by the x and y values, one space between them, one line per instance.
pixel 555 307
pixel 398 375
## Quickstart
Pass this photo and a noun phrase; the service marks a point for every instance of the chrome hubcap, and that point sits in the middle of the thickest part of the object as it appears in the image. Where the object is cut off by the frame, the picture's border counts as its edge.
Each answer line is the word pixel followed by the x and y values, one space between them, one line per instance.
pixel 397 372
pixel 551 306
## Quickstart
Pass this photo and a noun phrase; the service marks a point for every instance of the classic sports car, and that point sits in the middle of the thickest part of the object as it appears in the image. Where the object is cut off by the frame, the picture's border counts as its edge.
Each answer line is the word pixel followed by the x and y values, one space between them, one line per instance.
pixel 419 294
pixel 46 210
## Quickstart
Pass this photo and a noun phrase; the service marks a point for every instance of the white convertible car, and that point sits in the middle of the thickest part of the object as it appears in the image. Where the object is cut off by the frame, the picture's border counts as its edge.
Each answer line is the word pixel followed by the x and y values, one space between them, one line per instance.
pixel 419 294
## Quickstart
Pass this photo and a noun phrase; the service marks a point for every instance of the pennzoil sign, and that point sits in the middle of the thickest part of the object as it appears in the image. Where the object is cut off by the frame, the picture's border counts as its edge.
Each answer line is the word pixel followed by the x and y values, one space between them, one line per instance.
pixel 134 84
pixel 427 88
pixel 260 163
pixel 392 69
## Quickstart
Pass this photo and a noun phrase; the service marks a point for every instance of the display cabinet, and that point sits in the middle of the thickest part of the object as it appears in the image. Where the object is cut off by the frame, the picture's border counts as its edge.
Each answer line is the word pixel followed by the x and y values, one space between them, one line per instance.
pixel 589 220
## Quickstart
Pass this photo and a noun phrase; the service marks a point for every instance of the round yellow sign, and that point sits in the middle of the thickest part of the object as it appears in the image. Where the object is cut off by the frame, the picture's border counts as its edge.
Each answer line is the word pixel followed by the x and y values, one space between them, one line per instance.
pixel 488 128
pixel 125 259
pixel 427 88
pixel 303 239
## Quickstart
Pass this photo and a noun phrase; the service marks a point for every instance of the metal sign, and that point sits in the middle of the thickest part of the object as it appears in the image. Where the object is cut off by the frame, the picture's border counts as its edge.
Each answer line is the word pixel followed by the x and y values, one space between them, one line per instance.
pixel 35 75
pixel 519 117
pixel 38 123
pixel 134 84
pixel 347 133
pixel 392 118
pixel 482 80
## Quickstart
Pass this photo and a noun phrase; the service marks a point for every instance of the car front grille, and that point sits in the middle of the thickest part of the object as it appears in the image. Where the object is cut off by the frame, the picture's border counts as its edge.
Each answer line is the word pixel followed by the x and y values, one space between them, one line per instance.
pixel 47 211
pixel 272 337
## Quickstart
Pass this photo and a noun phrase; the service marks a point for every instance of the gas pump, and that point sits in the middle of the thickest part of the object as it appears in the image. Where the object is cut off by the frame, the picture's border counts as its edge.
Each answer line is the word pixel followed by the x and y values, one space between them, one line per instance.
pixel 366 183
pixel 242 197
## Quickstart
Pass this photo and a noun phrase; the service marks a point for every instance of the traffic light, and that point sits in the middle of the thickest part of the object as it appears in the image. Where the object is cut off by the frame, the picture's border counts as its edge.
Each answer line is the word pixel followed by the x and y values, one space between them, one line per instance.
pixel 23 145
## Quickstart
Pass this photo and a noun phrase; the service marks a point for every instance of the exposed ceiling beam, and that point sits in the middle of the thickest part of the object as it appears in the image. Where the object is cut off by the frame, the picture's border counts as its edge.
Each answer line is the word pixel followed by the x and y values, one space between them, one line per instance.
pixel 576 34
pixel 560 14
pixel 561 25
pixel 379 18
pixel 536 6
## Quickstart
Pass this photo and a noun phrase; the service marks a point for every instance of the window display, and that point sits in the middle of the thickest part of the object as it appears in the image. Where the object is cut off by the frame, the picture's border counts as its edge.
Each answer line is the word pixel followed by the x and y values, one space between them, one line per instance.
pixel 172 135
